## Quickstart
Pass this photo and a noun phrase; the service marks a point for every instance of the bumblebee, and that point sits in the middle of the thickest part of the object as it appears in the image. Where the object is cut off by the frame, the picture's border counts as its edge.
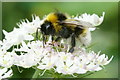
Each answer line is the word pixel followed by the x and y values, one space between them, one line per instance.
pixel 60 25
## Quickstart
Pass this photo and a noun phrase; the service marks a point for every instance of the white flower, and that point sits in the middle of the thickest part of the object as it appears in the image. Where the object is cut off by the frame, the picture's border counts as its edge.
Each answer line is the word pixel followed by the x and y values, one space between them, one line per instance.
pixel 18 35
pixel 65 63
pixel 80 63
pixel 93 67
pixel 31 56
pixel 6 59
pixel 14 38
pixel 33 53
pixel 103 60
pixel 94 19
pixel 89 21
pixel 48 61
pixel 70 64
pixel 62 62
pixel 5 73
pixel 30 27
pixel 26 60
pixel 22 33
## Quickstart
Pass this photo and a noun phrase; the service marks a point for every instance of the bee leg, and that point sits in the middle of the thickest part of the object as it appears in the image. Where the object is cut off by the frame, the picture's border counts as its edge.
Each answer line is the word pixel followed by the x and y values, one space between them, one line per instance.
pixel 57 39
pixel 52 38
pixel 52 41
pixel 44 40
pixel 72 43
pixel 37 33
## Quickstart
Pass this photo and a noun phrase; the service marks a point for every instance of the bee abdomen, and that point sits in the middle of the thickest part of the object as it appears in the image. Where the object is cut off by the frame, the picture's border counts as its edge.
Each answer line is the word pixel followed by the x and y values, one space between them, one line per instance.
pixel 65 32
pixel 78 31
pixel 85 37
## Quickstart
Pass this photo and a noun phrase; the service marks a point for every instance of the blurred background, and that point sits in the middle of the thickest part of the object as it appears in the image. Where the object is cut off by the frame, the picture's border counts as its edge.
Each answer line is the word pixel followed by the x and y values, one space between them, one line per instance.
pixel 104 39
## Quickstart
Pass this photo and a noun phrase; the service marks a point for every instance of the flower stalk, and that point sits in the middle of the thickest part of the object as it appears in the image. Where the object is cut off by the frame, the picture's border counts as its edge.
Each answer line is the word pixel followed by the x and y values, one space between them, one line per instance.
pixel 36 73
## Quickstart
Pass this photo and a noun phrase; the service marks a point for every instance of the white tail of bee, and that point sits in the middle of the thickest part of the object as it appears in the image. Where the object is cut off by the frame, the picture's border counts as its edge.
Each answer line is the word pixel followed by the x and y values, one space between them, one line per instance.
pixel 85 38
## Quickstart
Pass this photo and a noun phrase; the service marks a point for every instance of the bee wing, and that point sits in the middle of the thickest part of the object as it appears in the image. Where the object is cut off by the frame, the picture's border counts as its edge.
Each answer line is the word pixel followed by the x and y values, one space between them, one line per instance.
pixel 84 38
pixel 77 23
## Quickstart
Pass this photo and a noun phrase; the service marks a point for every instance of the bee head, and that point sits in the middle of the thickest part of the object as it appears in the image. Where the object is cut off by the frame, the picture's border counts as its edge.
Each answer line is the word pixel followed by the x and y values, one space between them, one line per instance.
pixel 47 28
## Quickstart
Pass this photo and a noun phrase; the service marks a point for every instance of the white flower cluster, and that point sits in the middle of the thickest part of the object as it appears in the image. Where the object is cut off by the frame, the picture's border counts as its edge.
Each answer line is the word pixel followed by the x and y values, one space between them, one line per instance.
pixel 22 33
pixel 15 37
pixel 94 19
pixel 6 61
pixel 32 53
pixel 62 62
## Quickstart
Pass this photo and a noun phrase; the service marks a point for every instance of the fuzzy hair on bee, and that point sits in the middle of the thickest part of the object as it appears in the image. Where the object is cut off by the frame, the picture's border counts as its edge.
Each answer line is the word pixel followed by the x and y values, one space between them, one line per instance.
pixel 61 25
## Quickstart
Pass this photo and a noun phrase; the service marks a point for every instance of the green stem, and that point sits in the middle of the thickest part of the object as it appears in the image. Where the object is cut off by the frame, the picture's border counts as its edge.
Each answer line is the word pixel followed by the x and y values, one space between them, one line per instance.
pixel 36 73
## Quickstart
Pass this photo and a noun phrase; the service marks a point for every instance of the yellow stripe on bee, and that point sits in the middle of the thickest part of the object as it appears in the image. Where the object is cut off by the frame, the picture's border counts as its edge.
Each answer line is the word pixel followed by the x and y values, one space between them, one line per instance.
pixel 52 17
pixel 84 32
pixel 57 27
